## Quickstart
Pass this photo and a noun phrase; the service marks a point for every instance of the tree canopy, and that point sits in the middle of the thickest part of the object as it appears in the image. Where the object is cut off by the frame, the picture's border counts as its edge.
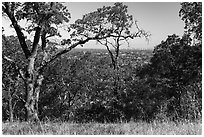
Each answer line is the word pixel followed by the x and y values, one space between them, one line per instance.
pixel 191 14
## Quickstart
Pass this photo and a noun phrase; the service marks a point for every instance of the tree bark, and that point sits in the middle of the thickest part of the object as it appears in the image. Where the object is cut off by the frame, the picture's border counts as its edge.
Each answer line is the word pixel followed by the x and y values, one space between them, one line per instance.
pixel 32 84
pixel 32 97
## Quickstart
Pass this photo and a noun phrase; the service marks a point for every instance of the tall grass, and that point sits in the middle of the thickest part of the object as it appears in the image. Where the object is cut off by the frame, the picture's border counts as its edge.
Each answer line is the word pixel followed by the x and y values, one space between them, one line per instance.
pixel 130 128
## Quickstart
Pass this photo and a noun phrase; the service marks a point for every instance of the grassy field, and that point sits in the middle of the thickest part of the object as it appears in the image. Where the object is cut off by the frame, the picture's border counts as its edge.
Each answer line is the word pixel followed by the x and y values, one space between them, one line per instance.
pixel 131 128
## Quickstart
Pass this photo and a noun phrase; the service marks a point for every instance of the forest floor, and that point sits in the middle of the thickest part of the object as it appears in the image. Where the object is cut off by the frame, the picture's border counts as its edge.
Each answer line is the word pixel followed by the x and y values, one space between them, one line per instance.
pixel 130 128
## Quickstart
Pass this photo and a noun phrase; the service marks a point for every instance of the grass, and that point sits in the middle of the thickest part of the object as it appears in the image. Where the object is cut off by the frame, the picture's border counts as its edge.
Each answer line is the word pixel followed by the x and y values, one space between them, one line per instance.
pixel 130 128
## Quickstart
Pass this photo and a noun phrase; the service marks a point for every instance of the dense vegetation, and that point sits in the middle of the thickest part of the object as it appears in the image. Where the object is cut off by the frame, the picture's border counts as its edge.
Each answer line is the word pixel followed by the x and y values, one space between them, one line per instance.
pixel 79 86
pixel 91 85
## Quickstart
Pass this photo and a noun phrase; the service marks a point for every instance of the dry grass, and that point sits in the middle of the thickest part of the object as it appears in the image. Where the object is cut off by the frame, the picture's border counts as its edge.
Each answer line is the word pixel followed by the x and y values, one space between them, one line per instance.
pixel 131 128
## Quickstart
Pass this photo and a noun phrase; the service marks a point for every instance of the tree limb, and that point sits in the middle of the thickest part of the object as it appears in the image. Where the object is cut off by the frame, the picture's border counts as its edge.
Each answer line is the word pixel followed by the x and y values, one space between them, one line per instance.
pixel 110 53
pixel 17 28
pixel 81 42
pixel 35 41
pixel 43 39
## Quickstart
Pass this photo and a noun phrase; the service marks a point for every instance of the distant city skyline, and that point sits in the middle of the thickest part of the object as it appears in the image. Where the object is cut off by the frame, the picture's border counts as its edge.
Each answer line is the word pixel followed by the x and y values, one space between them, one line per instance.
pixel 159 18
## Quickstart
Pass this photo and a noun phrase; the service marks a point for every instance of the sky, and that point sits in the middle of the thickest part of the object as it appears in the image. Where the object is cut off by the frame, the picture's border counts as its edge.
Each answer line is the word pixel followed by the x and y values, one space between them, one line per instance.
pixel 160 19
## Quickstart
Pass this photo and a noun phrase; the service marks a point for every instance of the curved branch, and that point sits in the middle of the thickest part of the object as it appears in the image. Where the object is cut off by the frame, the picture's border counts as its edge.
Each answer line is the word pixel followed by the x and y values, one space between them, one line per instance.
pixel 81 42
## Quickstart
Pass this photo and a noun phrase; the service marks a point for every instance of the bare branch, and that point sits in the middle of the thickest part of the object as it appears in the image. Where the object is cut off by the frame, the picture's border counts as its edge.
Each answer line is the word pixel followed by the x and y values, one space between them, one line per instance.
pixel 109 51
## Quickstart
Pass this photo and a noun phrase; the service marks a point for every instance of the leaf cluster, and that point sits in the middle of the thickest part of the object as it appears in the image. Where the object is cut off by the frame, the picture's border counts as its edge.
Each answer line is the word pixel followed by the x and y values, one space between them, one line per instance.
pixel 191 14
pixel 106 21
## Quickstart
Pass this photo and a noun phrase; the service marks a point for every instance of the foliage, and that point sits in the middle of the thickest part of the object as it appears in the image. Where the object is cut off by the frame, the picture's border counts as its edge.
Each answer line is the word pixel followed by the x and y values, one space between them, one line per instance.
pixel 175 69
pixel 174 59
pixel 191 14
pixel 112 21
pixel 35 13
pixel 12 84
pixel 86 81
pixel 79 87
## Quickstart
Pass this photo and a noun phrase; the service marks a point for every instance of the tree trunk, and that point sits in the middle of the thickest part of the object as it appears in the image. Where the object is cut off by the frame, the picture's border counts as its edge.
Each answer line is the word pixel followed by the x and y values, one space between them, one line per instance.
pixel 32 84
pixel 10 106
pixel 32 97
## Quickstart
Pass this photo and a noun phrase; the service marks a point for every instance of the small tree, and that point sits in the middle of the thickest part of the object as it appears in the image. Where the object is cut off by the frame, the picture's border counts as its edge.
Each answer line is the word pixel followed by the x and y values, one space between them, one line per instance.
pixel 114 22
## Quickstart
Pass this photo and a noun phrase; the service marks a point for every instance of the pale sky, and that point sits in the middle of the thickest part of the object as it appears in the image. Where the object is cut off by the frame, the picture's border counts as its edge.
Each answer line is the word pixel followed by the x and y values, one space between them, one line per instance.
pixel 159 18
